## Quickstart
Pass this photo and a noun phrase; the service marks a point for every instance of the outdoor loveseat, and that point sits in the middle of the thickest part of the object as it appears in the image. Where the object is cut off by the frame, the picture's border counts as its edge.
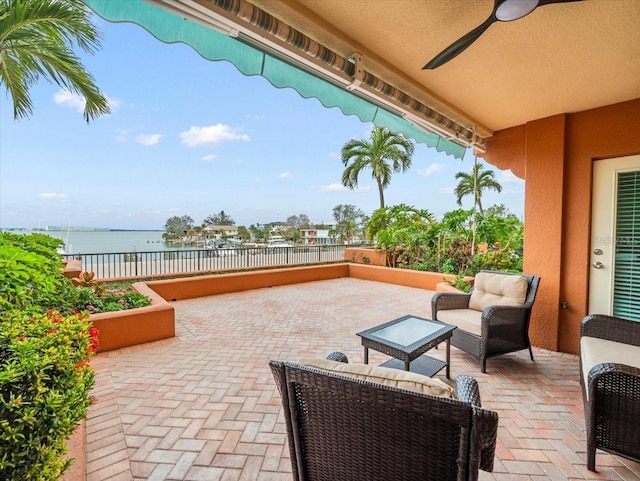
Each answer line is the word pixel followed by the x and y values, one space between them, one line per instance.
pixel 494 318
pixel 610 378
pixel 353 422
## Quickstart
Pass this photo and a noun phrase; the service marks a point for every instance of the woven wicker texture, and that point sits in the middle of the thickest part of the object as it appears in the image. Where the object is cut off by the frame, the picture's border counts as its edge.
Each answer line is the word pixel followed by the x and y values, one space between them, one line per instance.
pixel 340 428
pixel 612 410
pixel 504 328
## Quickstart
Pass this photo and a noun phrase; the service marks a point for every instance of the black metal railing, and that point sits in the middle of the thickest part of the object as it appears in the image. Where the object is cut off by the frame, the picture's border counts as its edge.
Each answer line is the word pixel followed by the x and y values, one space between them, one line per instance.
pixel 149 264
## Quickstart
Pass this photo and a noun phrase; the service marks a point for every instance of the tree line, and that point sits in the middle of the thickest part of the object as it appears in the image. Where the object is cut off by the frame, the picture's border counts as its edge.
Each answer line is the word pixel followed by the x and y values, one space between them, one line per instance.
pixel 348 224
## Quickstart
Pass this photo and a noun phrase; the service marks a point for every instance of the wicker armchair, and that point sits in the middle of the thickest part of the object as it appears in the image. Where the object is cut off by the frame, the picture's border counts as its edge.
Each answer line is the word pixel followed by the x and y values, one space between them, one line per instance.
pixel 502 328
pixel 342 428
pixel 610 378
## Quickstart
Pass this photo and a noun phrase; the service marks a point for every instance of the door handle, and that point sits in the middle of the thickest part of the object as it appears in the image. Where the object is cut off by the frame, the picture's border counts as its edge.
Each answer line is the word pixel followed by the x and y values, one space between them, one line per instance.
pixel 598 265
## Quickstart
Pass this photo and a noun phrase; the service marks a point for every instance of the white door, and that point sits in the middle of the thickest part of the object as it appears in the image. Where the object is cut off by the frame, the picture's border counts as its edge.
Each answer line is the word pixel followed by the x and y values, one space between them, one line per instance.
pixel 614 281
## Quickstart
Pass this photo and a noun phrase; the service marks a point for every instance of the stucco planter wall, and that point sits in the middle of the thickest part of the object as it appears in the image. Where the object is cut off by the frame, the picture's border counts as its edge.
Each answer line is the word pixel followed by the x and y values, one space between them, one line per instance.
pixel 201 286
pixel 446 287
pixel 157 321
pixel 136 326
pixel 72 268
pixel 366 255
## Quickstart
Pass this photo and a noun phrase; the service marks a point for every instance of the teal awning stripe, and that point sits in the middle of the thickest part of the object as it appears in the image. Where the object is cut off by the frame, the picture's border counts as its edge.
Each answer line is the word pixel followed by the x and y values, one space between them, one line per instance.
pixel 281 74
pixel 212 45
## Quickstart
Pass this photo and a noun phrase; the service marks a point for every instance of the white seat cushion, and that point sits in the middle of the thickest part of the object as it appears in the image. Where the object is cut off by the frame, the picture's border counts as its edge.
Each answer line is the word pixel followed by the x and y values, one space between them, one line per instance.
pixel 409 381
pixel 465 319
pixel 490 289
pixel 594 351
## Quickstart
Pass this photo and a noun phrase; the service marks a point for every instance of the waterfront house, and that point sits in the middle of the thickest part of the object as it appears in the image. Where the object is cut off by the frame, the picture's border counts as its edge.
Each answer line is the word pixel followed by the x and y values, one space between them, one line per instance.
pixel 220 232
pixel 316 236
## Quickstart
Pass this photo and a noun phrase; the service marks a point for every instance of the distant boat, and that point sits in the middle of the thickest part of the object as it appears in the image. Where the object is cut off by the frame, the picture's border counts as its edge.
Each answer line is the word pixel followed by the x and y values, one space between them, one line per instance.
pixel 278 241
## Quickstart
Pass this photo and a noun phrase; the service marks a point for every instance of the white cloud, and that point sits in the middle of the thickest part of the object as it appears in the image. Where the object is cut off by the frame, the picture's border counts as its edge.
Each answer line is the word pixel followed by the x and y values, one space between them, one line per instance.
pixel 69 99
pixel 213 134
pixel 148 139
pixel 122 135
pixel 285 175
pixel 114 103
pixel 339 187
pixel 446 190
pixel 210 157
pixel 53 196
pixel 434 168
pixel 330 188
pixel 333 155
pixel 77 102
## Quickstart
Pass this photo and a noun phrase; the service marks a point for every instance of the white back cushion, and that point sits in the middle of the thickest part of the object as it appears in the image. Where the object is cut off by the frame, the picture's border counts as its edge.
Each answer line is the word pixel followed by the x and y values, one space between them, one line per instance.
pixel 491 289
pixel 594 351
pixel 385 375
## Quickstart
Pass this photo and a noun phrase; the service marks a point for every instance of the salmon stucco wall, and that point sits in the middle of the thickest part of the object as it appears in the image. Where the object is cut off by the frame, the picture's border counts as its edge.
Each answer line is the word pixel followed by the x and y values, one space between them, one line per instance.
pixel 366 255
pixel 555 156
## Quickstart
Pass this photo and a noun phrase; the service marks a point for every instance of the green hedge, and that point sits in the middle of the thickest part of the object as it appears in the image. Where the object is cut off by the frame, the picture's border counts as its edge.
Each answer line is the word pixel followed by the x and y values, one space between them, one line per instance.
pixel 45 378
pixel 45 381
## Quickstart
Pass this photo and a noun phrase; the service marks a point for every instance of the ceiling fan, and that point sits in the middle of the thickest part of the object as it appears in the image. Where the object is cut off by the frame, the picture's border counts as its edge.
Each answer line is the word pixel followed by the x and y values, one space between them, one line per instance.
pixel 503 11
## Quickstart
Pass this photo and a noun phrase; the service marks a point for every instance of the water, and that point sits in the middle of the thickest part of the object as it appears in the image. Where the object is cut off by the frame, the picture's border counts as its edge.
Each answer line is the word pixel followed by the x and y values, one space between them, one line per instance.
pixel 94 242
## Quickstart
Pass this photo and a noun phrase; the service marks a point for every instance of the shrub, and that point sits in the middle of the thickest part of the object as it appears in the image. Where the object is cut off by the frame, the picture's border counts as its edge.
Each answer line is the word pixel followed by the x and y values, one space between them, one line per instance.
pixel 45 378
pixel 119 300
pixel 30 272
pixel 500 260
pixel 44 390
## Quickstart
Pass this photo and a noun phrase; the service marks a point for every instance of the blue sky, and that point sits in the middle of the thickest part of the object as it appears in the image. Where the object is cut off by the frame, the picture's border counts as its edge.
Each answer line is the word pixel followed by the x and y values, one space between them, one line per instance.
pixel 192 137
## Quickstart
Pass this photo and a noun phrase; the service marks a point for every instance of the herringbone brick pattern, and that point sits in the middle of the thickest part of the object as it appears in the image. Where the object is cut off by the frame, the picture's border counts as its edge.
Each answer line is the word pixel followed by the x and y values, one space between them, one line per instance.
pixel 203 405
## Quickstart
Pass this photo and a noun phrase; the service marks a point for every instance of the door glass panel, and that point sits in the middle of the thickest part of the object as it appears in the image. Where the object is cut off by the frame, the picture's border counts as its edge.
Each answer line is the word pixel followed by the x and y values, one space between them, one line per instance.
pixel 626 289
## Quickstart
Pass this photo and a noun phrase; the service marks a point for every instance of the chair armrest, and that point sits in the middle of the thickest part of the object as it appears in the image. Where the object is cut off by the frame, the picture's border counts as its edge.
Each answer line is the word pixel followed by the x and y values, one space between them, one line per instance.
pixel 338 356
pixel 442 301
pixel 625 379
pixel 611 328
pixel 485 423
pixel 505 314
pixel 467 390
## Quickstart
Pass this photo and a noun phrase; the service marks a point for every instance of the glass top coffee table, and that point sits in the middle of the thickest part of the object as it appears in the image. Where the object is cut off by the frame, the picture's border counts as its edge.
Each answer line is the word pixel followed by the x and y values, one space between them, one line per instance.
pixel 407 339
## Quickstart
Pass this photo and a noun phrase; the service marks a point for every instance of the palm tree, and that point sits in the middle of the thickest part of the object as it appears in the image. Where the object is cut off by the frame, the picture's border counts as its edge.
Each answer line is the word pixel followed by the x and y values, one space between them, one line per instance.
pixel 474 183
pixel 36 40
pixel 387 153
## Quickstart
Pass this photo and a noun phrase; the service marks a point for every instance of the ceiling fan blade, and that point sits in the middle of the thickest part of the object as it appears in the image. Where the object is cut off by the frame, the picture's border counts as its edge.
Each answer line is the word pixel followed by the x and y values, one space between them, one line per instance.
pixel 549 2
pixel 459 45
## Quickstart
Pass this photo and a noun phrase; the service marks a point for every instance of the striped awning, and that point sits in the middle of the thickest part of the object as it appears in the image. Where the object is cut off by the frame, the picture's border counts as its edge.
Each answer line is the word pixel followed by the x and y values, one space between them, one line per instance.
pixel 259 44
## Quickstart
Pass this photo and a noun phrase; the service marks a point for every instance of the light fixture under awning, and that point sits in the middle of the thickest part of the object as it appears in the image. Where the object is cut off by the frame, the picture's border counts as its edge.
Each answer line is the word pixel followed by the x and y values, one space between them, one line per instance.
pixel 310 69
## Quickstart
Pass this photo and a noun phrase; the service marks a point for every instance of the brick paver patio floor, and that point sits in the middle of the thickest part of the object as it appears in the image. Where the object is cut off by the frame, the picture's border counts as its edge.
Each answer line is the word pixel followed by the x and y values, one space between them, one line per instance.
pixel 203 405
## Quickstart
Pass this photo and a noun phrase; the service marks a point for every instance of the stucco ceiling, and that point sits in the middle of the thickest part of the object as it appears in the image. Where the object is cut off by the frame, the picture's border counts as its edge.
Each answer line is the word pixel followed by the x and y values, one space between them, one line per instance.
pixel 561 58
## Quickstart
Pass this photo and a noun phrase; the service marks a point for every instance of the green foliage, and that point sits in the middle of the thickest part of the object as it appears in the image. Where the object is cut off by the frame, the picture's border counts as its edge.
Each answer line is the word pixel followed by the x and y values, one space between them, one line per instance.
pixel 44 390
pixel 413 240
pixel 474 183
pixel 37 41
pixel 460 283
pixel 117 300
pixel 348 221
pixel 243 233
pixel 176 227
pixel 219 219
pixel 95 297
pixel 44 376
pixel 500 260
pixel 397 217
pixel 30 271
pixel 387 153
